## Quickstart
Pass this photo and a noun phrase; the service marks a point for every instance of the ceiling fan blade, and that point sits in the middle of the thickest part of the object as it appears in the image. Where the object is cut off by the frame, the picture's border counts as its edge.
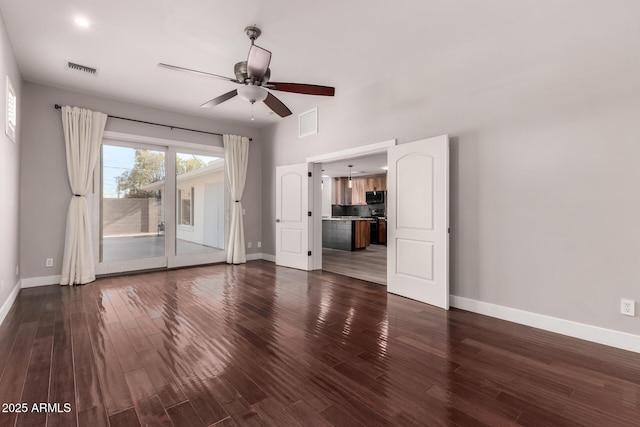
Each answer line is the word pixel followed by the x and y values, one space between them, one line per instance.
pixel 220 99
pixel 303 88
pixel 258 62
pixel 277 106
pixel 202 73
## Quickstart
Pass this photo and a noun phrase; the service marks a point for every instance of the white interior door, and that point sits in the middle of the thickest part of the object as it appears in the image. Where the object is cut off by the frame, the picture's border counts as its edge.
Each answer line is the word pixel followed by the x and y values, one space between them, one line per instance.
pixel 418 220
pixel 292 221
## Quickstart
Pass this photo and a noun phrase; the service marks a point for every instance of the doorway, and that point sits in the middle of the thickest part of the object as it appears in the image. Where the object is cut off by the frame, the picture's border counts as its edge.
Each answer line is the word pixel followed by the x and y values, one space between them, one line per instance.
pixel 354 217
pixel 324 201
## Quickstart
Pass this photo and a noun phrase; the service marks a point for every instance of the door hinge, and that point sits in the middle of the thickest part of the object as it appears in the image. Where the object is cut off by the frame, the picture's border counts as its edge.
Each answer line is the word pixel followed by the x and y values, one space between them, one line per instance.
pixel 309 253
pixel 309 174
pixel 449 230
pixel 309 213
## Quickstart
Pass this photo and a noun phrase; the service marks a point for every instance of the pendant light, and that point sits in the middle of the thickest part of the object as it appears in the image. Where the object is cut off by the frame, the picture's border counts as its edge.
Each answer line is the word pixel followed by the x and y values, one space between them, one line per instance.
pixel 350 183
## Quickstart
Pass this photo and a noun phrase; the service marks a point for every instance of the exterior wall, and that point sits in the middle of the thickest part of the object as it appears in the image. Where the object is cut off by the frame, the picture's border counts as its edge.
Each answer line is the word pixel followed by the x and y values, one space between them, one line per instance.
pixel 205 190
pixel 126 216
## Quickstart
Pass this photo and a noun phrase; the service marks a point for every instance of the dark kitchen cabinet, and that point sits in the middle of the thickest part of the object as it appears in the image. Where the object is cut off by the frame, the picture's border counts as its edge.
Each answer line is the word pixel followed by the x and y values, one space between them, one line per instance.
pixel 382 231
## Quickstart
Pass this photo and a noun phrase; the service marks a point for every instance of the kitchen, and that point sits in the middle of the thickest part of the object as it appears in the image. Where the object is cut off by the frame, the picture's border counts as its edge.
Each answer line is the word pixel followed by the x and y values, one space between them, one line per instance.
pixel 354 217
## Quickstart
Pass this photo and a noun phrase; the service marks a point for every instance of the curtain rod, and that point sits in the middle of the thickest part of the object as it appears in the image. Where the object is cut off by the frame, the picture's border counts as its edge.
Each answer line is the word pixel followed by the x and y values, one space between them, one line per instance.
pixel 57 107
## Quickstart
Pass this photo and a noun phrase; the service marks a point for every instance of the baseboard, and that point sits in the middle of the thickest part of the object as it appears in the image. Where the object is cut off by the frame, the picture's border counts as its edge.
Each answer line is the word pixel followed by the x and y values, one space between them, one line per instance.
pixel 582 331
pixel 269 257
pixel 33 282
pixel 6 307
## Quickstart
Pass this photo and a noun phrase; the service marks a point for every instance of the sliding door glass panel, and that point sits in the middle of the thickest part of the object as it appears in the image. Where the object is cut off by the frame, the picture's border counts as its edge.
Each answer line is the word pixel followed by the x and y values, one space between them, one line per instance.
pixel 132 214
pixel 200 198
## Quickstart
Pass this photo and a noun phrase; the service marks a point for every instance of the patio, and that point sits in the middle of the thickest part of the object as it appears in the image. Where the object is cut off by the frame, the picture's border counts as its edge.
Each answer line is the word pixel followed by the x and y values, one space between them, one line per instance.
pixel 146 246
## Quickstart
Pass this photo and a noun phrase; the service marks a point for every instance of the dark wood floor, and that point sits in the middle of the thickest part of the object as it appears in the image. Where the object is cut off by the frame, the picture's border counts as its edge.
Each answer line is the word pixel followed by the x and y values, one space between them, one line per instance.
pixel 263 345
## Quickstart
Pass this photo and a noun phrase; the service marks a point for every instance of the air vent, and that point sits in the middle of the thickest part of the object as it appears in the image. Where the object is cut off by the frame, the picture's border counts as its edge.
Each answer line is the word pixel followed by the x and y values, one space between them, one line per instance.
pixel 83 68
pixel 308 123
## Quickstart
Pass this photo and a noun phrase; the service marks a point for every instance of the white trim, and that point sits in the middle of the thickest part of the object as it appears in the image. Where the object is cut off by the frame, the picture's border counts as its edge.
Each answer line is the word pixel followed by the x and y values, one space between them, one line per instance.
pixel 129 137
pixel 352 152
pixel 254 256
pixel 6 307
pixel 33 282
pixel 269 257
pixel 582 331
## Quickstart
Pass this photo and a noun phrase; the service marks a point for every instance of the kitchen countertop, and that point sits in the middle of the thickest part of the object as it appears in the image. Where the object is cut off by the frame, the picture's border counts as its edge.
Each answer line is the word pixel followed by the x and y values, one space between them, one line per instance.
pixel 344 218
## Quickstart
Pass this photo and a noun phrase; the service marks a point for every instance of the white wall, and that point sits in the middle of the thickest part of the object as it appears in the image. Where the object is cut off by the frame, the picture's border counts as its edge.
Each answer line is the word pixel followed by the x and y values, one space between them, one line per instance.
pixel 327 196
pixel 9 176
pixel 196 233
pixel 545 203
pixel 45 194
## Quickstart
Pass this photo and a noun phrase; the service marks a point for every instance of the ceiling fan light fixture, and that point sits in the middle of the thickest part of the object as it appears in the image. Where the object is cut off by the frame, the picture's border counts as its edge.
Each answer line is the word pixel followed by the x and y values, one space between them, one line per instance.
pixel 252 93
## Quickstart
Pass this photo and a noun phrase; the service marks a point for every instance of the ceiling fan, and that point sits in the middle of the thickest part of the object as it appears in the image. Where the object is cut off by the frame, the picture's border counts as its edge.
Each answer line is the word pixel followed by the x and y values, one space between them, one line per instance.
pixel 254 74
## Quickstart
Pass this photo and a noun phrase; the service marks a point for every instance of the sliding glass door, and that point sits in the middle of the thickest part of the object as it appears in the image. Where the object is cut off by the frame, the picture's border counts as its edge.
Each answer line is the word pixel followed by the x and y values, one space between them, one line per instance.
pixel 159 206
pixel 200 208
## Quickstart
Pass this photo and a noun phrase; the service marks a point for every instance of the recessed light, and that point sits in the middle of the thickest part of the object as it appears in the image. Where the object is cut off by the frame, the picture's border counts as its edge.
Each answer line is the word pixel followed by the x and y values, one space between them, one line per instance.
pixel 81 22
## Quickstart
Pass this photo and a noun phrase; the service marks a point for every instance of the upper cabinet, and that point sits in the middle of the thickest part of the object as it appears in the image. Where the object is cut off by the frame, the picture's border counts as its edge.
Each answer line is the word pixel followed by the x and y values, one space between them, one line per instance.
pixel 343 195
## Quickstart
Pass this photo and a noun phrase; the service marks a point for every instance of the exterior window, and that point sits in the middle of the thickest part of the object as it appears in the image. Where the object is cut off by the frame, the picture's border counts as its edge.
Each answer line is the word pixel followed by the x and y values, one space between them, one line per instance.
pixel 12 112
pixel 185 209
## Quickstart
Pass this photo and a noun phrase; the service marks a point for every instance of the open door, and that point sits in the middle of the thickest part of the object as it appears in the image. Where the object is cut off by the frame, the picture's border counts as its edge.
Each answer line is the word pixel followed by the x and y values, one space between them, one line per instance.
pixel 293 184
pixel 418 221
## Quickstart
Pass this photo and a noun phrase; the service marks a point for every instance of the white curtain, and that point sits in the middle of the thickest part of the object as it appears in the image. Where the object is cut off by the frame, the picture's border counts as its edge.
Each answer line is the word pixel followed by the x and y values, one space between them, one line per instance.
pixel 83 131
pixel 236 155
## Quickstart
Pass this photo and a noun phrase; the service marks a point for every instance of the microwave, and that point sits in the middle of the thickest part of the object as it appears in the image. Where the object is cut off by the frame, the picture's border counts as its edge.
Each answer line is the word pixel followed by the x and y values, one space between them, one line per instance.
pixel 375 197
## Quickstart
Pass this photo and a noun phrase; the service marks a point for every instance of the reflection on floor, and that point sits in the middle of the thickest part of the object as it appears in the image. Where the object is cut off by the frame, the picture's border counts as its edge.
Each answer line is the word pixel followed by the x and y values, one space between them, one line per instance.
pixel 146 246
pixel 367 264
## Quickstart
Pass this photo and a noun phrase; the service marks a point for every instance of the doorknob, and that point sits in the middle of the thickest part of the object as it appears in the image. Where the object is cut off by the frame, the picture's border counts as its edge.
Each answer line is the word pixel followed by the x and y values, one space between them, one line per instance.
pixel 277 220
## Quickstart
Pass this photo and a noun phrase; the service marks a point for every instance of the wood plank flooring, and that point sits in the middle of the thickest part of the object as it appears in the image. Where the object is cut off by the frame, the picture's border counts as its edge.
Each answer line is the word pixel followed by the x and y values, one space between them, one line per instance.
pixel 258 344
pixel 368 264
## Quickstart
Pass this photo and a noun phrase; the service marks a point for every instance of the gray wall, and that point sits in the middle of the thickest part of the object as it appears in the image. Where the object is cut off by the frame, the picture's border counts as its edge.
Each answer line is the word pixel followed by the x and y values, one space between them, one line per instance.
pixel 127 216
pixel 9 174
pixel 45 194
pixel 545 206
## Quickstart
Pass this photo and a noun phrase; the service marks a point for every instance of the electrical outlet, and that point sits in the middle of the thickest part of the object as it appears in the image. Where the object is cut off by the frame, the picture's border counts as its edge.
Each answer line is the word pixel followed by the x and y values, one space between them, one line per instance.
pixel 17 270
pixel 249 245
pixel 259 244
pixel 627 307
pixel 48 262
pixel 1 287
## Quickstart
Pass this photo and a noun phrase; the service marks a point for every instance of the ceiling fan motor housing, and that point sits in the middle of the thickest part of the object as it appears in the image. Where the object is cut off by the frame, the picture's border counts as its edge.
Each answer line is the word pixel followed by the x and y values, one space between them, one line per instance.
pixel 240 70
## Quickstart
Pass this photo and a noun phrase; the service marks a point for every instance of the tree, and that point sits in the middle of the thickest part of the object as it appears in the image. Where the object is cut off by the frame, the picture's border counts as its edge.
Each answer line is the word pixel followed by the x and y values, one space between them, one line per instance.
pixel 147 169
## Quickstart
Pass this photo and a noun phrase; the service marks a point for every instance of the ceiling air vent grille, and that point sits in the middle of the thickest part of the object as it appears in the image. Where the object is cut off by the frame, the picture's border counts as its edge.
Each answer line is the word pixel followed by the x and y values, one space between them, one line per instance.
pixel 83 68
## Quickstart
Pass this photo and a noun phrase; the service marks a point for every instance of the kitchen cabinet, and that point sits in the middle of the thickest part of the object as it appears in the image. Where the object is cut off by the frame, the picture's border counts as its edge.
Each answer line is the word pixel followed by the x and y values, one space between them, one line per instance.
pixel 382 231
pixel 343 195
pixel 345 234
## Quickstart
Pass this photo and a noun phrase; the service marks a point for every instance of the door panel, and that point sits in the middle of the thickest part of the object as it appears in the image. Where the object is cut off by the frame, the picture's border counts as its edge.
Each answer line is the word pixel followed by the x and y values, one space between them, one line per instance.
pixel 292 222
pixel 200 208
pixel 418 220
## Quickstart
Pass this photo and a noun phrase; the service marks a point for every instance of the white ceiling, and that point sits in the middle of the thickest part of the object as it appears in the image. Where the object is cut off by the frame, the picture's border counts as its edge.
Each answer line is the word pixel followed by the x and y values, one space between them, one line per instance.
pixel 350 45
pixel 365 165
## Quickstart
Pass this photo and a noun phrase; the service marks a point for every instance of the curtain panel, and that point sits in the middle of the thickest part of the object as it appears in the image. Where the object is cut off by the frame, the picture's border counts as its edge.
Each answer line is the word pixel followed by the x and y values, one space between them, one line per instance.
pixel 236 155
pixel 83 130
